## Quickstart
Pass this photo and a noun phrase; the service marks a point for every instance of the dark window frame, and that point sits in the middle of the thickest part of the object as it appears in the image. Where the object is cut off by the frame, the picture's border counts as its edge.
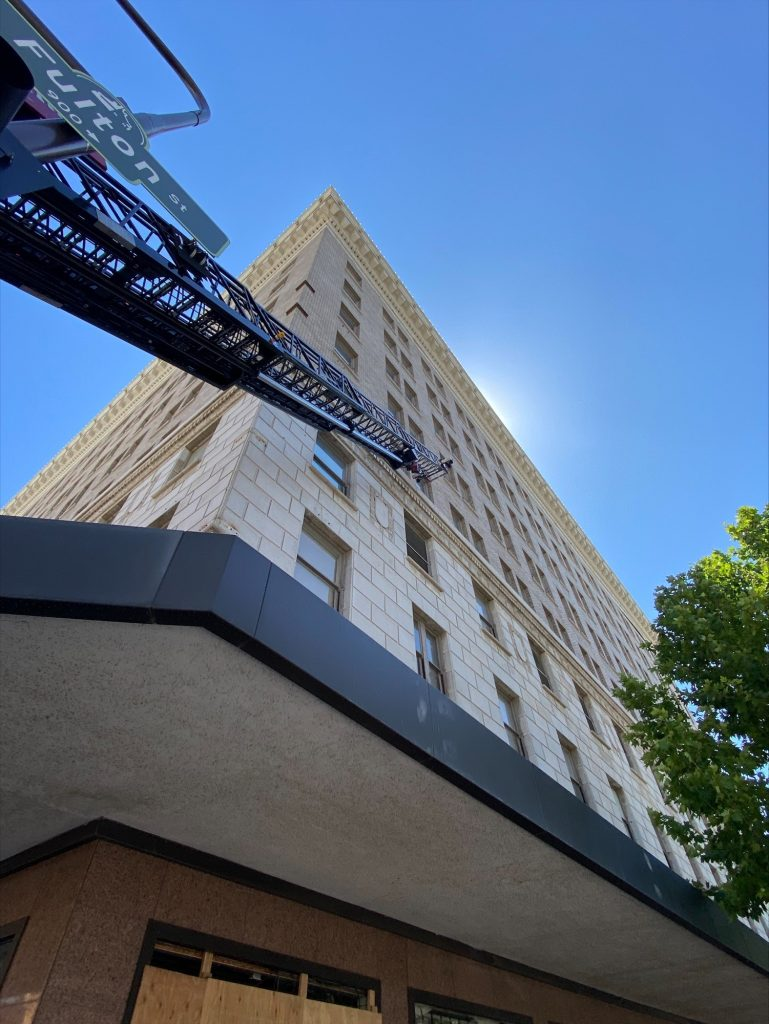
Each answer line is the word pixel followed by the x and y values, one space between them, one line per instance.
pixel 335 585
pixel 468 1010
pixel 419 557
pixel 422 629
pixel 485 612
pixel 14 931
pixel 327 447
pixel 509 704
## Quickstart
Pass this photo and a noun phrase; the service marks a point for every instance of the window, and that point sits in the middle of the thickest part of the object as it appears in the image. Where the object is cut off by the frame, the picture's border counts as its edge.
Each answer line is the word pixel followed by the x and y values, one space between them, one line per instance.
pixel 192 453
pixel 524 592
pixel 446 416
pixel 493 524
pixel 483 607
pixel 479 479
pixel 10 935
pixel 572 769
pixel 164 521
pixel 432 396
pixel 330 462
pixel 406 363
pixel 416 431
pixel 390 342
pixel 392 373
pixel 416 543
pixel 426 369
pixel 451 1013
pixel 424 486
pixel 563 634
pixel 625 746
pixel 571 611
pixel 318 566
pixel 349 320
pixel 464 490
pixel 598 671
pixel 508 710
pixel 507 540
pixel 305 284
pixel 539 661
pixel 426 647
pixel 584 701
pixel 507 572
pixel 253 973
pixel 477 540
pixel 411 394
pixel 346 352
pixel 385 313
pixel 699 874
pixel 394 407
pixel 665 845
pixel 619 799
pixel 458 520
pixel 403 339
pixel 354 274
pixel 439 431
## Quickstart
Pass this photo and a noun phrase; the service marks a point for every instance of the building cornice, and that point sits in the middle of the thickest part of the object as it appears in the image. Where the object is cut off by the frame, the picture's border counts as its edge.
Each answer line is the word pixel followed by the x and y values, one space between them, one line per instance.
pixel 330 210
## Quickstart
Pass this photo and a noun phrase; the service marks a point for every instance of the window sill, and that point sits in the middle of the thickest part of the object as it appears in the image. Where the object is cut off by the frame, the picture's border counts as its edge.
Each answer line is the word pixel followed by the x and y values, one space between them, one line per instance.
pixel 347 370
pixel 424 575
pixel 554 696
pixel 355 334
pixel 496 641
pixel 334 491
pixel 600 739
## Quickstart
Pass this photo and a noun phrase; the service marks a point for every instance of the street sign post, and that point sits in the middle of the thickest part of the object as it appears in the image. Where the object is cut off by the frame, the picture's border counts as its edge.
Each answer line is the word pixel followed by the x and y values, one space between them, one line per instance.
pixel 107 124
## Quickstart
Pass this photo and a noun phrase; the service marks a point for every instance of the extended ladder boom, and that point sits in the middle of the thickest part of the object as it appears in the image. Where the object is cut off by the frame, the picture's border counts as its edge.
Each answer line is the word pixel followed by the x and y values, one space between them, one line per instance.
pixel 74 236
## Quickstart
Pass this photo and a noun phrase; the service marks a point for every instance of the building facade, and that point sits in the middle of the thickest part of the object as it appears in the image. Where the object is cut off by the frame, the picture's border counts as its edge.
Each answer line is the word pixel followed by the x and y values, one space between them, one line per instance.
pixel 481 583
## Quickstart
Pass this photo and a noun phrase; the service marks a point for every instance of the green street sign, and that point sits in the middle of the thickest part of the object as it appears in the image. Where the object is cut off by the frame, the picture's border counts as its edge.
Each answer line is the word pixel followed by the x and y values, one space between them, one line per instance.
pixel 107 124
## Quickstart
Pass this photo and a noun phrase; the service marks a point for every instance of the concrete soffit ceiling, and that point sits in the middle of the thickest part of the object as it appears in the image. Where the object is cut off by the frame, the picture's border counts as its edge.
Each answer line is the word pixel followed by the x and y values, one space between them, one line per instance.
pixel 182 685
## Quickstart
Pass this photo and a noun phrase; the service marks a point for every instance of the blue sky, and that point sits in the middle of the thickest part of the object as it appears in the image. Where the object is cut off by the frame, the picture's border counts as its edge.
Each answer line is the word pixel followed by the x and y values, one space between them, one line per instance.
pixel 573 190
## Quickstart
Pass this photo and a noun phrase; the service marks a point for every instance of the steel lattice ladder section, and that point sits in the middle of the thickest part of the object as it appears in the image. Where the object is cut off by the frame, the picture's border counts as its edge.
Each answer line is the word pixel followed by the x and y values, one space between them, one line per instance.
pixel 79 239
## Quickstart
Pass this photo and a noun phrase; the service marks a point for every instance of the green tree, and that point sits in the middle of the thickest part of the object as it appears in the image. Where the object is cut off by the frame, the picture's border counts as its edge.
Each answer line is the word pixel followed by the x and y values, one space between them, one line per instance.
pixel 703 724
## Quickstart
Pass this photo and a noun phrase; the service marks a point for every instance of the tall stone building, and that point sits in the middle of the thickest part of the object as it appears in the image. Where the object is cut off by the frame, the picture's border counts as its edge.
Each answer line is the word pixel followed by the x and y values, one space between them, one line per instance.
pixel 223 785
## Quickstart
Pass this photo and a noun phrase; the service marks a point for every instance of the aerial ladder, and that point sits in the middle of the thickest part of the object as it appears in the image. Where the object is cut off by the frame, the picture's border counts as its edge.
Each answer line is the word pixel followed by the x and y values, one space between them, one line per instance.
pixel 75 236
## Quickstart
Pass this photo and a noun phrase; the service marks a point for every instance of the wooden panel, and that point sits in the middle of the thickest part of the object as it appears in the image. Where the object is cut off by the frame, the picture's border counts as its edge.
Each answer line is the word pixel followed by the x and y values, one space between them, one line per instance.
pixel 316 1012
pixel 166 997
pixel 226 1003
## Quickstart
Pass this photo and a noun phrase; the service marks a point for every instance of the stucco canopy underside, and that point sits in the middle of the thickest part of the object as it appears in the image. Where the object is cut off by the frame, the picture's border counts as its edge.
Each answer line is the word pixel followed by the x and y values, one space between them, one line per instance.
pixel 173 730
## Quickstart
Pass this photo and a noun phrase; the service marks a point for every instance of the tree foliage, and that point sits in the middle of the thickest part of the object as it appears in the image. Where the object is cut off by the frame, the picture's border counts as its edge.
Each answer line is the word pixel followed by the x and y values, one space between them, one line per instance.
pixel 703 724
